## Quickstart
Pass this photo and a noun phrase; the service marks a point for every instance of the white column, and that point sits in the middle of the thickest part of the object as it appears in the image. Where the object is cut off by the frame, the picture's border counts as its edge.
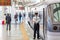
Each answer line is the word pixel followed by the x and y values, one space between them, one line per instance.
pixel 26 10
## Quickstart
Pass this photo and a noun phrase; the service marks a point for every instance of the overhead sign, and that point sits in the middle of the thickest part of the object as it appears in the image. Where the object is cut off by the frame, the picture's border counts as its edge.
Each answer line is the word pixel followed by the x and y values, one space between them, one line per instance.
pixel 5 2
pixel 21 8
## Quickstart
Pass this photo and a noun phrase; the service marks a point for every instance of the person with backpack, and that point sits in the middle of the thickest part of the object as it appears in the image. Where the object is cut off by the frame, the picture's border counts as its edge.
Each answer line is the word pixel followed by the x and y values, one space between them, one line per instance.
pixel 8 21
pixel 16 18
pixel 20 17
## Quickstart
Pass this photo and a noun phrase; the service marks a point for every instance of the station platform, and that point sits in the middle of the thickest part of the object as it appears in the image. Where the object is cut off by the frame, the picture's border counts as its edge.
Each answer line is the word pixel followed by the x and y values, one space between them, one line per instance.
pixel 18 32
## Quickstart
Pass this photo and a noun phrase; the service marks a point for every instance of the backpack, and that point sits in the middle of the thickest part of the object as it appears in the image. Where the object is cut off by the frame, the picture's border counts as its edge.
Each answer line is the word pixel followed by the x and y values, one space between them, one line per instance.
pixel 15 16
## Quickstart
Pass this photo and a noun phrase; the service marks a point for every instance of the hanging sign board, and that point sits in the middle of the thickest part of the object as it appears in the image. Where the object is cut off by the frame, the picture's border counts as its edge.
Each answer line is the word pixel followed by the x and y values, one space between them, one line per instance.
pixel 21 7
pixel 5 2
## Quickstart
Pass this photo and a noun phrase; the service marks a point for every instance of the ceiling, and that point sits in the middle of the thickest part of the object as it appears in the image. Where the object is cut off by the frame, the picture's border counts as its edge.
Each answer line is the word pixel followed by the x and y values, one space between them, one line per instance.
pixel 33 3
pixel 28 2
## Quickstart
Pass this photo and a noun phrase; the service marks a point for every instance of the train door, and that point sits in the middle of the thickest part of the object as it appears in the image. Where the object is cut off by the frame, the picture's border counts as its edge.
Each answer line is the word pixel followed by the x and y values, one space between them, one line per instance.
pixel 44 24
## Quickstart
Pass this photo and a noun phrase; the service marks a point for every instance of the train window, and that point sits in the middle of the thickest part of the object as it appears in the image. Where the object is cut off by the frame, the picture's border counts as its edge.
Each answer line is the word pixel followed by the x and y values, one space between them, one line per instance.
pixel 56 12
pixel 55 17
pixel 54 6
pixel 59 15
pixel 57 5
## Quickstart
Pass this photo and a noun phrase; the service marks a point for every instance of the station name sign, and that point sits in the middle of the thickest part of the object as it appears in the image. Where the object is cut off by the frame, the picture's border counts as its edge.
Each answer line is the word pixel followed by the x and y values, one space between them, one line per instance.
pixel 5 2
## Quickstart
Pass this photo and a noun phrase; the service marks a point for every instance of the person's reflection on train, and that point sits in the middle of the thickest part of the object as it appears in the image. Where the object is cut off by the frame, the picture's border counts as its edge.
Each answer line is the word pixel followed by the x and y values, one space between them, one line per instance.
pixel 8 21
pixel 20 17
pixel 36 21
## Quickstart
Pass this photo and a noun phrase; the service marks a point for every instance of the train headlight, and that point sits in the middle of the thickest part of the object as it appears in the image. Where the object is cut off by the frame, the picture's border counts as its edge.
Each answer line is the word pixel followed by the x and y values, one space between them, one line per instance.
pixel 55 28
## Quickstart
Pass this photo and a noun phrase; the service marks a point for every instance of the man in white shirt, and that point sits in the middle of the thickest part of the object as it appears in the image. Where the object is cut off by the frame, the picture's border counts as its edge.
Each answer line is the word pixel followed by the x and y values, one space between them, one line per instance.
pixel 36 21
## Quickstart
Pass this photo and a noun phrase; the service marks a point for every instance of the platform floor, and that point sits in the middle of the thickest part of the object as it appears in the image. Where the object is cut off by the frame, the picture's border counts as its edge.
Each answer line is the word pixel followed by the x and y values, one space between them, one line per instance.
pixel 22 32
pixel 18 32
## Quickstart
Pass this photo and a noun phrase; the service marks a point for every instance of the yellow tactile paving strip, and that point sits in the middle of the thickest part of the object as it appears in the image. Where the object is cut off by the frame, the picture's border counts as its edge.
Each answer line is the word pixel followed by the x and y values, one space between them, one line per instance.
pixel 23 31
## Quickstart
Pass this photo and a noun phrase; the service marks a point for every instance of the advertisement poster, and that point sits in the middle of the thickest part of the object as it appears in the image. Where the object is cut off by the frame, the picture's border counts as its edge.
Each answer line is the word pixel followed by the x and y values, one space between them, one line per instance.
pixel 5 2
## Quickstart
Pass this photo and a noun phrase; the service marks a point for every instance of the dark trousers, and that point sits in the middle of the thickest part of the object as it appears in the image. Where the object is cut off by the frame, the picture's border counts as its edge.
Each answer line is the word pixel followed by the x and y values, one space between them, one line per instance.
pixel 16 21
pixel 36 30
pixel 9 26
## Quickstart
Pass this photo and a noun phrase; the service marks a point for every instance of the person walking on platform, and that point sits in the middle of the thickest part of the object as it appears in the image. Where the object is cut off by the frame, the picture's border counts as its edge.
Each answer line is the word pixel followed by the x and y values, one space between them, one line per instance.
pixel 36 21
pixel 20 17
pixel 8 21
pixel 16 18
pixel 24 15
